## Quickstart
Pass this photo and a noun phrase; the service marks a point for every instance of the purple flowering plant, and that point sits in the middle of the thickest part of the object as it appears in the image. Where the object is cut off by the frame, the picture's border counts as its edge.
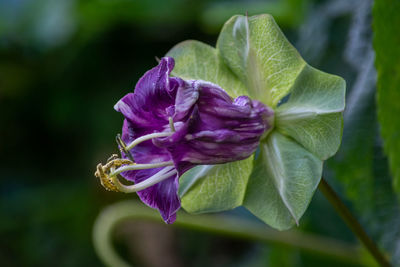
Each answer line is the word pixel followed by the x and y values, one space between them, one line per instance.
pixel 247 123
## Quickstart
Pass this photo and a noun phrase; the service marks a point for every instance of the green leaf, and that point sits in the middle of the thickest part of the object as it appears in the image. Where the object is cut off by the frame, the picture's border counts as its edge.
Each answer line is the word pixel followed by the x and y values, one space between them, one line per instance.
pixel 283 182
pixel 199 61
pixel 256 50
pixel 386 43
pixel 353 165
pixel 313 113
pixel 211 188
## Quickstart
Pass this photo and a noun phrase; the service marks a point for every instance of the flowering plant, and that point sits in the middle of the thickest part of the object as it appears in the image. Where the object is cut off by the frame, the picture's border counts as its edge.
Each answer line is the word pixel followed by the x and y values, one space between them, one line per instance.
pixel 172 125
pixel 252 92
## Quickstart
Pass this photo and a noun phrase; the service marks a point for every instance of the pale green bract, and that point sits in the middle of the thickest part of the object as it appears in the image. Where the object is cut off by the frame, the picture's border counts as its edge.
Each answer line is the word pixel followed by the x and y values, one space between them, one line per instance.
pixel 254 58
pixel 283 180
pixel 223 188
pixel 196 60
pixel 257 51
pixel 313 114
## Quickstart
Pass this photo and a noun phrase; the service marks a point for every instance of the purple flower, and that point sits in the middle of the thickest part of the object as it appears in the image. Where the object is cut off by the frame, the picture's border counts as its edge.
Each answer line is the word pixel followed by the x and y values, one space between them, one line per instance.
pixel 172 125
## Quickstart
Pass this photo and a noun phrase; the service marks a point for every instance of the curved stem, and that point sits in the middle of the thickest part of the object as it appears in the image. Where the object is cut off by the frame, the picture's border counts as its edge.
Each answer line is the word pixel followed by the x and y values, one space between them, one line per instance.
pixel 352 222
pixel 231 226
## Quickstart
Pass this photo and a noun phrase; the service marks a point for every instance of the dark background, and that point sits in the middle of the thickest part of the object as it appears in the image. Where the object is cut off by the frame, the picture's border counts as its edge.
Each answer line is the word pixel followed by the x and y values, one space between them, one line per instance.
pixel 64 64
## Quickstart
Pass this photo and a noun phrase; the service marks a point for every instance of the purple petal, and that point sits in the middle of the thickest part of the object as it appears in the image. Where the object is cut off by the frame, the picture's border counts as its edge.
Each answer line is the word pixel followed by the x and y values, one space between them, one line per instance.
pixel 145 152
pixel 219 129
pixel 147 108
pixel 186 98
pixel 162 196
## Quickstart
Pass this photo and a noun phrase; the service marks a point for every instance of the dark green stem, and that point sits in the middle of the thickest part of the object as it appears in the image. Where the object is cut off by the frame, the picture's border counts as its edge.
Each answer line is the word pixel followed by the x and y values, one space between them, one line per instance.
pixel 223 225
pixel 352 222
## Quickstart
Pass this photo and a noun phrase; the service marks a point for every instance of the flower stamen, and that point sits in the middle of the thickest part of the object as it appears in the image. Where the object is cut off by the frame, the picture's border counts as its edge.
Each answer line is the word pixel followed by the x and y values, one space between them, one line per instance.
pixel 108 174
pixel 135 166
pixel 123 148
pixel 102 171
pixel 171 124
pixel 145 138
pixel 156 178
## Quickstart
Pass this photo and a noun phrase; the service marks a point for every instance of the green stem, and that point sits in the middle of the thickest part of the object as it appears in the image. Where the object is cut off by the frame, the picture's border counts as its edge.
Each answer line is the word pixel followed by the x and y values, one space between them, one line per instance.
pixel 352 222
pixel 231 226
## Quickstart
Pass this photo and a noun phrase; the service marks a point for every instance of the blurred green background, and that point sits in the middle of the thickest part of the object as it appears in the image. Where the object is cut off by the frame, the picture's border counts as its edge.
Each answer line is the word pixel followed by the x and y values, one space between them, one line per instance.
pixel 65 63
